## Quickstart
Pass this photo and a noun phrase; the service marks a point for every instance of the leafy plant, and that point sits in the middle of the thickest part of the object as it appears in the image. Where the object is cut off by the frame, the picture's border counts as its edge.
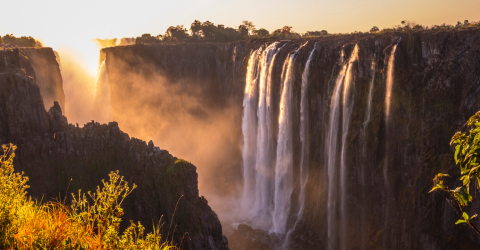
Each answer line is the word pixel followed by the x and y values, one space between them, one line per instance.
pixel 467 157
pixel 91 222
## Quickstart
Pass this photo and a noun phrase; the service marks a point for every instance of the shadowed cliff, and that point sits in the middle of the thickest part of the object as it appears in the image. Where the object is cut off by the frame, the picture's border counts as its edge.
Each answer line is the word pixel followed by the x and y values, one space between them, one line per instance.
pixel 60 158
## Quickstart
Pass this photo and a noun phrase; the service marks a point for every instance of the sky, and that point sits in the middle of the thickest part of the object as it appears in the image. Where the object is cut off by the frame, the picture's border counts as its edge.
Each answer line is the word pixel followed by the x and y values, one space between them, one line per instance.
pixel 67 25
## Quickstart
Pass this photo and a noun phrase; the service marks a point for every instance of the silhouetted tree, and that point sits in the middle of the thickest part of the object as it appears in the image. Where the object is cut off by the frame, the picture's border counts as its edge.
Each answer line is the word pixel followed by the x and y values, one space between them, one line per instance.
pixel 261 33
pixel 374 29
pixel 178 32
pixel 249 26
pixel 147 39
pixel 24 41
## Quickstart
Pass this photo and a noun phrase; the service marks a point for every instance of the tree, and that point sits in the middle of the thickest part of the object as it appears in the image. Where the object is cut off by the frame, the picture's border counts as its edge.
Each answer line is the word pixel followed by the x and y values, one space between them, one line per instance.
pixel 261 33
pixel 467 150
pixel 196 27
pixel 178 32
pixel 374 29
pixel 249 26
pixel 243 30
pixel 323 33
pixel 148 39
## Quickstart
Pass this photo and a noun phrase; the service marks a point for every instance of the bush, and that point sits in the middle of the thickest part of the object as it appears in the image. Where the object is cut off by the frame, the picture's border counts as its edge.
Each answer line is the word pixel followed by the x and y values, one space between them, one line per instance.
pixel 91 222
pixel 467 149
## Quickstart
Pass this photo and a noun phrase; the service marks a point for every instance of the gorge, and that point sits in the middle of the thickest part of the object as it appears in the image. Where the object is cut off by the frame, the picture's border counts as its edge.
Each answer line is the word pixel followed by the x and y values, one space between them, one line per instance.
pixel 323 143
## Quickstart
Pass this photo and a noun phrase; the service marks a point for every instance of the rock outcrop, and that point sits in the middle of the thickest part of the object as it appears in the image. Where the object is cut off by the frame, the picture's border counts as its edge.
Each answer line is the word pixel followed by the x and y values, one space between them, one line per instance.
pixel 60 158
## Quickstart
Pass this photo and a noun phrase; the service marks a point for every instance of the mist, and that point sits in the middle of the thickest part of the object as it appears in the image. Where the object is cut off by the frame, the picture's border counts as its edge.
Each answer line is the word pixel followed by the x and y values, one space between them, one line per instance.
pixel 186 116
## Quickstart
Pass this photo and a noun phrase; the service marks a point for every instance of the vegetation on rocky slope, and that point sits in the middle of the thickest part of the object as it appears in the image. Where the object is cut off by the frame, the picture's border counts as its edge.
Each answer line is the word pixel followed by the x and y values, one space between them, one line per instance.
pixel 92 221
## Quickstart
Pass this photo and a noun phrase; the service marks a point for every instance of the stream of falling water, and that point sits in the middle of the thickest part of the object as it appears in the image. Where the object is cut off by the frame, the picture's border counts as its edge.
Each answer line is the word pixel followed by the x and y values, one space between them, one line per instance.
pixel 331 151
pixel 303 139
pixel 263 206
pixel 363 135
pixel 304 134
pixel 388 97
pixel 284 159
pixel 347 111
pixel 249 125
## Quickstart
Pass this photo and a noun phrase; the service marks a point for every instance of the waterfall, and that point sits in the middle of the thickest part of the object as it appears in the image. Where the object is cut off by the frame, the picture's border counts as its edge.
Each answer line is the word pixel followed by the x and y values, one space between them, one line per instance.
pixel 347 111
pixel 391 63
pixel 363 134
pixel 249 129
pixel 102 99
pixel 370 91
pixel 330 154
pixel 263 206
pixel 304 138
pixel 388 97
pixel 284 161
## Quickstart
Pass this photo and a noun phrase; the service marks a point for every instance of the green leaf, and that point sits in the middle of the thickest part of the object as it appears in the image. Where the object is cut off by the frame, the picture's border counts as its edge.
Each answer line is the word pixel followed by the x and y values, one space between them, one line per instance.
pixel 438 186
pixel 457 150
pixel 460 221
pixel 465 216
pixel 444 175
pixel 462 196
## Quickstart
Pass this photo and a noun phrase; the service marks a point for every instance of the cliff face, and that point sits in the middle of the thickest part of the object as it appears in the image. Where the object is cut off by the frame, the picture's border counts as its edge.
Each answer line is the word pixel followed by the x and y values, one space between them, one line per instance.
pixel 390 161
pixel 52 153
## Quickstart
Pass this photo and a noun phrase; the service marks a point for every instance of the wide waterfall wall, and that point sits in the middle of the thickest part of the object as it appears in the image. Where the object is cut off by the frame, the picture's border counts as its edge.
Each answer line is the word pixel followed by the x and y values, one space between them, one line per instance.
pixel 381 112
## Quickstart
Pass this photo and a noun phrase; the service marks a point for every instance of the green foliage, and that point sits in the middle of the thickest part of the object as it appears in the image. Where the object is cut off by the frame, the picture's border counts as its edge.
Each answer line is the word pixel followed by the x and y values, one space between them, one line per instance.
pixel 91 222
pixel 467 151
pixel 24 41
pixel 316 33
pixel 261 33
pixel 465 218
pixel 12 196
pixel 148 39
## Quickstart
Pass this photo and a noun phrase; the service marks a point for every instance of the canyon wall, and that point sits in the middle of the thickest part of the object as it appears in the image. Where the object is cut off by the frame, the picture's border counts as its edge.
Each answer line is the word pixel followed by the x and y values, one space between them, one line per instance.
pixel 60 158
pixel 402 99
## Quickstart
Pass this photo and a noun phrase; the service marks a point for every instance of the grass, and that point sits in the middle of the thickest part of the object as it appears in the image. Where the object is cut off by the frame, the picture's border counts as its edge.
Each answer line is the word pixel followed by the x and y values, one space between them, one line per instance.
pixel 92 221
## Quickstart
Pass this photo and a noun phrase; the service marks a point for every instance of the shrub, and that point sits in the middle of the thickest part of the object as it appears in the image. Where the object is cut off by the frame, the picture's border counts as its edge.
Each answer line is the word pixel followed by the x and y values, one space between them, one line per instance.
pixel 91 222
pixel 467 151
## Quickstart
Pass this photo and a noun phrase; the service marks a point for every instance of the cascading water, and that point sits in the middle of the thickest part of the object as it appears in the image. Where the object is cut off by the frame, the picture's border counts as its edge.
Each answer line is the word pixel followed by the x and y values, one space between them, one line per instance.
pixel 331 151
pixel 304 137
pixel 363 134
pixel 102 102
pixel 388 97
pixel 347 111
pixel 249 129
pixel 284 159
pixel 264 164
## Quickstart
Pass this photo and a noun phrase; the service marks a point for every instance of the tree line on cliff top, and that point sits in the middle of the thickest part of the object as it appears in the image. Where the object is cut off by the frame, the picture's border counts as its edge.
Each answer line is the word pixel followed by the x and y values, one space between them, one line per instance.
pixel 209 32
pixel 9 40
